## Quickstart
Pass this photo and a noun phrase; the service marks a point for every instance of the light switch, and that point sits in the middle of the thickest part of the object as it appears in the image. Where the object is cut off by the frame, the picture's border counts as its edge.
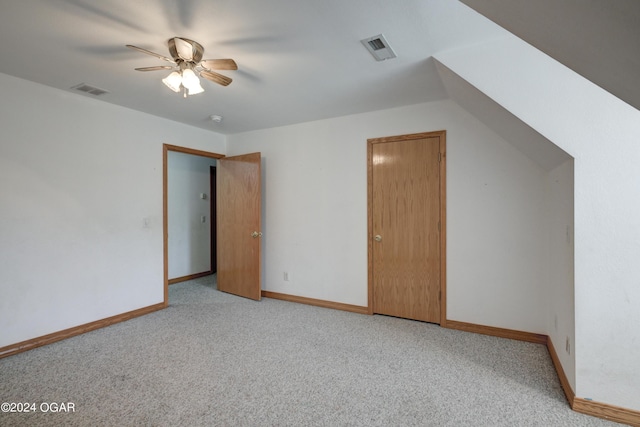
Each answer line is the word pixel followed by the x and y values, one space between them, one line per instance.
pixel 203 219
pixel 203 196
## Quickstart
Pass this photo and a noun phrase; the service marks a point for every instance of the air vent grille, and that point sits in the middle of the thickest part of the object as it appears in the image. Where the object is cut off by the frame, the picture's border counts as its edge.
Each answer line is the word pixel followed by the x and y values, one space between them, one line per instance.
pixel 379 47
pixel 376 44
pixel 92 90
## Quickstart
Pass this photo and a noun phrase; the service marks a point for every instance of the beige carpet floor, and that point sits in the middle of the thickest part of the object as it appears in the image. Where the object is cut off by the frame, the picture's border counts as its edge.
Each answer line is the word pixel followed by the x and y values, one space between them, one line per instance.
pixel 213 359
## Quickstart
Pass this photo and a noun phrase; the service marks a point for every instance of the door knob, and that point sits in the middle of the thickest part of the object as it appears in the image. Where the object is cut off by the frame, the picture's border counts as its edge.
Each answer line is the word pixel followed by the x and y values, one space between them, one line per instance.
pixel 378 238
pixel 256 234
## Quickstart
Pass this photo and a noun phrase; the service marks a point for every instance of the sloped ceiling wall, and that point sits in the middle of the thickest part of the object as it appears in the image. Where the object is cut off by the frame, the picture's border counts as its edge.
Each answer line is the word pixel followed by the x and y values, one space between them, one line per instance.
pixel 598 39
pixel 536 147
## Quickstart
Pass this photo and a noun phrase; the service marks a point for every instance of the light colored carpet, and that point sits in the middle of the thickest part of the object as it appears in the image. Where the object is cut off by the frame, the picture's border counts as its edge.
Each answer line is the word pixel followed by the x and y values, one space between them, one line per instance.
pixel 213 359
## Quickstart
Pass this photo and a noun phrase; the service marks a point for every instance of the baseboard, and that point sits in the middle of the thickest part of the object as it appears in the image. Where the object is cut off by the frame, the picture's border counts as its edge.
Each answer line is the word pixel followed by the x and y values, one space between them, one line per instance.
pixel 496 332
pixel 77 330
pixel 316 302
pixel 189 277
pixel 589 407
pixel 564 382
pixel 607 412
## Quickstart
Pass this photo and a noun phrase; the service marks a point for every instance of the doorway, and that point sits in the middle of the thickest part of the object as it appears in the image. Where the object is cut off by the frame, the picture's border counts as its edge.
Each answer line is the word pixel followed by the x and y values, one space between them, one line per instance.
pixel 406 226
pixel 238 233
pixel 165 180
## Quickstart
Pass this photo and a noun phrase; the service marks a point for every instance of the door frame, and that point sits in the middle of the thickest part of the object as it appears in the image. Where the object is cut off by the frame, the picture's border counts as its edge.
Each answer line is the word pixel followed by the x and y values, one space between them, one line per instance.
pixel 443 213
pixel 165 204
pixel 213 199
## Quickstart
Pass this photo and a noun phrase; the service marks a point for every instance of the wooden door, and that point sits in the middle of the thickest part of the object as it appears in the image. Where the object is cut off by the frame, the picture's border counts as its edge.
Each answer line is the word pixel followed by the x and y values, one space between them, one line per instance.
pixel 406 250
pixel 238 226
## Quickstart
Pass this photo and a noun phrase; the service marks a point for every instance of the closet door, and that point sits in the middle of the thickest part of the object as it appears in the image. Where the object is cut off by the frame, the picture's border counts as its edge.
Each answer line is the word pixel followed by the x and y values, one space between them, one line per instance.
pixel 405 226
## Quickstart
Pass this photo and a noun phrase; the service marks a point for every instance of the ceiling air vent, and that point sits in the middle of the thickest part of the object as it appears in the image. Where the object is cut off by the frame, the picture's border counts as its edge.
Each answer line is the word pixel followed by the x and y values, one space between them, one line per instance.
pixel 379 47
pixel 90 89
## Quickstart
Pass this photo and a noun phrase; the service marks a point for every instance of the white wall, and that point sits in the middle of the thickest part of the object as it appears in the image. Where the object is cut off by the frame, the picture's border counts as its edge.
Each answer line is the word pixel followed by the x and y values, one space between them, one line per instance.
pixel 496 233
pixel 189 239
pixel 315 213
pixel 558 203
pixel 601 132
pixel 561 296
pixel 77 179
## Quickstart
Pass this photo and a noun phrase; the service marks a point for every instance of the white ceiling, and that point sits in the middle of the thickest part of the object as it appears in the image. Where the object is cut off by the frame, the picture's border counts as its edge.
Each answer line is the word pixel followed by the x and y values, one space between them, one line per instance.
pixel 298 60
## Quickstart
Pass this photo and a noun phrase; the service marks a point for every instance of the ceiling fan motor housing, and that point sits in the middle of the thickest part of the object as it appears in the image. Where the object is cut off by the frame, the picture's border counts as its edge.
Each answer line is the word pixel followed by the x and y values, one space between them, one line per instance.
pixel 183 49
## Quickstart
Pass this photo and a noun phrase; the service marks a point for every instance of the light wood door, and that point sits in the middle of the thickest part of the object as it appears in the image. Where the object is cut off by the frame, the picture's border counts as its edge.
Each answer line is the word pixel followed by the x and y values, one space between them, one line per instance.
pixel 238 226
pixel 405 223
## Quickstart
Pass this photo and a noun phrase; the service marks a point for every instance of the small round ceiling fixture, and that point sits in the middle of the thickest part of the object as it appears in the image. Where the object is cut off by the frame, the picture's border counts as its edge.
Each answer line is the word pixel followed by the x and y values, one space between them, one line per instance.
pixel 215 118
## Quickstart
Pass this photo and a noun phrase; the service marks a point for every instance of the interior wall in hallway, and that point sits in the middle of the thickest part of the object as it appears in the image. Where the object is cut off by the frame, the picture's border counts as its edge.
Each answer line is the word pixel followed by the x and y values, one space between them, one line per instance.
pixel 189 214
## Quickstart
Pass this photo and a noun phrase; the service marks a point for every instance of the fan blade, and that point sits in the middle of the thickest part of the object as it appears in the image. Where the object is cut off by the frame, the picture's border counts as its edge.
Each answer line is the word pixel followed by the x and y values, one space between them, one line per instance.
pixel 215 77
pixel 219 64
pixel 148 52
pixel 156 68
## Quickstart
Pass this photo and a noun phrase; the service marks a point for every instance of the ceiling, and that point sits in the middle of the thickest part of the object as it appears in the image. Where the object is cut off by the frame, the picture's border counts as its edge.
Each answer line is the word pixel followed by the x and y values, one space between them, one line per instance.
pixel 598 39
pixel 298 60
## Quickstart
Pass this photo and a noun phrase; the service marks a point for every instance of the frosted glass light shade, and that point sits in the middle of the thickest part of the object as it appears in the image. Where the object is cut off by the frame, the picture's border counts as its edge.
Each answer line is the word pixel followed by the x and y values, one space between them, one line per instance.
pixel 189 78
pixel 173 81
pixel 191 81
pixel 195 88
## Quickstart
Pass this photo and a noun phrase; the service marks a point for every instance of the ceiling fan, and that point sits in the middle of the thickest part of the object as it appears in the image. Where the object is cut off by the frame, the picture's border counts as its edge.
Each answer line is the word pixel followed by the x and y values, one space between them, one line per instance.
pixel 187 64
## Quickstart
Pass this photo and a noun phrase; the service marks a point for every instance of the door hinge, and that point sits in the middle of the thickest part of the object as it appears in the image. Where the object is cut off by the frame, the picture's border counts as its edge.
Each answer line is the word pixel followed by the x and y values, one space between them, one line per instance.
pixel 439 157
pixel 438 225
pixel 440 295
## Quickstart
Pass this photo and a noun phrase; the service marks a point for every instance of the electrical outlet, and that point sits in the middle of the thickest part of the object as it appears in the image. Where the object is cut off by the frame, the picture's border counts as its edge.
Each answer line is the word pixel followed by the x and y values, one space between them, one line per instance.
pixel 286 276
pixel 568 346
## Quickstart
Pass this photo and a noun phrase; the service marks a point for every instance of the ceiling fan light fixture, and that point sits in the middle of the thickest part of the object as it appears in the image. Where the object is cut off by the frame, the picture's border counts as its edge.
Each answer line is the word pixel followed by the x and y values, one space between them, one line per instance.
pixel 191 82
pixel 186 60
pixel 173 81
pixel 195 89
pixel 189 78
